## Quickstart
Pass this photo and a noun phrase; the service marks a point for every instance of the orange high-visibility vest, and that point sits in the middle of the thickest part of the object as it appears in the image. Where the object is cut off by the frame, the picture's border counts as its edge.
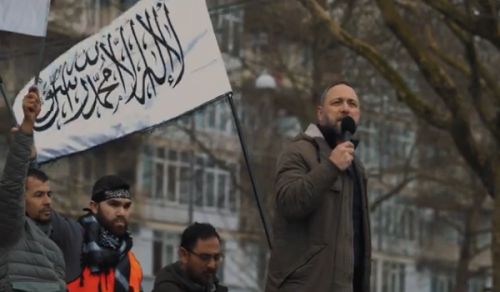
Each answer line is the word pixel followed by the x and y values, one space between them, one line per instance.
pixel 105 282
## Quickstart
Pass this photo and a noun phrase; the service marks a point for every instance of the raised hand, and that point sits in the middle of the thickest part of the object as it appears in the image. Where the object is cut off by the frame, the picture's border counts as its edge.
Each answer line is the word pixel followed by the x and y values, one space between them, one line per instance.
pixel 31 109
pixel 342 155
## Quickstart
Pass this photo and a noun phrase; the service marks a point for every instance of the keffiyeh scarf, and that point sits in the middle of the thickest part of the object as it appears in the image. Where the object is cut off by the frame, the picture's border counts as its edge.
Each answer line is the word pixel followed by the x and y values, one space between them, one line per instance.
pixel 103 251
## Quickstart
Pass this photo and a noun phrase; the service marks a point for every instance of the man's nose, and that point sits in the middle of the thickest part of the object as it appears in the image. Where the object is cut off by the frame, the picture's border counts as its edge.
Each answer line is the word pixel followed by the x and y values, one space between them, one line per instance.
pixel 212 263
pixel 120 211
pixel 345 107
pixel 47 200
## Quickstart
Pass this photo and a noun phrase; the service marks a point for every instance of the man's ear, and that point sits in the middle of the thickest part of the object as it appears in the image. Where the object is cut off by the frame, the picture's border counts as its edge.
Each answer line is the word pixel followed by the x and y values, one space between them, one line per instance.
pixel 183 255
pixel 93 206
pixel 319 113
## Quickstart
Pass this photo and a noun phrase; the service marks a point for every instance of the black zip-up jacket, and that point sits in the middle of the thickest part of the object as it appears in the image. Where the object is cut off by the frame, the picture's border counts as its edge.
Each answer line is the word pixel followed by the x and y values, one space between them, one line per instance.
pixel 172 279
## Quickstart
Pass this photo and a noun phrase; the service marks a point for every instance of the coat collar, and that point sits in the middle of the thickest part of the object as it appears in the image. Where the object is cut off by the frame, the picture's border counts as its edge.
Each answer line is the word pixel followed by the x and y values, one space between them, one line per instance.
pixel 312 132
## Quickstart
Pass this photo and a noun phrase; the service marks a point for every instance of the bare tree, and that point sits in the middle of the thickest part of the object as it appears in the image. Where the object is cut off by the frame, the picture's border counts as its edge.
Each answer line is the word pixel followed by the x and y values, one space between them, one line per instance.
pixel 466 96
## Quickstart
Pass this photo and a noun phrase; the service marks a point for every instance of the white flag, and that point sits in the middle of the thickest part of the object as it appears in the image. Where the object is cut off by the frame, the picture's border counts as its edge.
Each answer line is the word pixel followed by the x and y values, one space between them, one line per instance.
pixel 157 61
pixel 25 16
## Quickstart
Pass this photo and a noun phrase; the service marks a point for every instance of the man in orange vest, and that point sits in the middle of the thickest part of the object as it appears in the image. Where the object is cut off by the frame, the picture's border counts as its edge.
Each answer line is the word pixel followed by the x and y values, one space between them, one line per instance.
pixel 108 264
pixel 96 249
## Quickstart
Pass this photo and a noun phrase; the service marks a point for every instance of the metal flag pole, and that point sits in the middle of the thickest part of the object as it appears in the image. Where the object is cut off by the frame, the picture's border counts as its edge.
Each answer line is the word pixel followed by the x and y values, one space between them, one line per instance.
pixel 229 98
pixel 40 62
pixel 42 50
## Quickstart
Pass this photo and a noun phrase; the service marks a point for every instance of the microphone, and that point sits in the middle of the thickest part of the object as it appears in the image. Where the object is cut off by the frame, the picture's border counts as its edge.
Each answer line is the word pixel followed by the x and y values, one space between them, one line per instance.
pixel 347 128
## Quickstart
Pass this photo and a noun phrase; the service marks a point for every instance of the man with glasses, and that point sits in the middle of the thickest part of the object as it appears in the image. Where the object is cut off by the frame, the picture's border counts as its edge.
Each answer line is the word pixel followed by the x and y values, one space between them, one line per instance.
pixel 199 257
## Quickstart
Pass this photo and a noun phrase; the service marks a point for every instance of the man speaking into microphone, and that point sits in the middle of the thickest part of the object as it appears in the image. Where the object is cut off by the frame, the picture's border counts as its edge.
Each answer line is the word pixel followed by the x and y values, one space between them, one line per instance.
pixel 321 227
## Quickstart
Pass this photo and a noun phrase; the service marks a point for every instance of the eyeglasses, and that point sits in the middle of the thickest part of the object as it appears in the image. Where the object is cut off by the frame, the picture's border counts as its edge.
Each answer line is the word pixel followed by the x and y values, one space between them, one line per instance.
pixel 205 257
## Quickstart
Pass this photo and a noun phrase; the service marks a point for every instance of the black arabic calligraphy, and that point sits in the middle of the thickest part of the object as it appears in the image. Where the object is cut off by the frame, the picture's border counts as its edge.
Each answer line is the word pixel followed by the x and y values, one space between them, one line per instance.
pixel 124 66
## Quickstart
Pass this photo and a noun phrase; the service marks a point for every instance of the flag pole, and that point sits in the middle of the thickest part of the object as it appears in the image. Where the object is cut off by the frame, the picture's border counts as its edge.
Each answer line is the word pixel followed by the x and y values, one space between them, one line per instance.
pixel 229 97
pixel 42 49
pixel 40 62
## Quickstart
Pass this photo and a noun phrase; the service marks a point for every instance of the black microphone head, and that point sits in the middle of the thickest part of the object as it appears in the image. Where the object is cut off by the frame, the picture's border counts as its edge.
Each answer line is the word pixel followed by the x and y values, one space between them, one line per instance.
pixel 347 124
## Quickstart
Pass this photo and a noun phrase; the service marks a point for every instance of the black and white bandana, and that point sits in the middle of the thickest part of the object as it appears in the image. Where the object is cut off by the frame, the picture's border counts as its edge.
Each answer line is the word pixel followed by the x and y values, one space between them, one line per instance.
pixel 111 194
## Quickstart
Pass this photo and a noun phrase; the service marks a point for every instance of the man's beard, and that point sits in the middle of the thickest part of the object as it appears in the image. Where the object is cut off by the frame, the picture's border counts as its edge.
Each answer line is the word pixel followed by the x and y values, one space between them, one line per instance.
pixel 330 133
pixel 332 126
pixel 206 278
pixel 111 226
pixel 42 218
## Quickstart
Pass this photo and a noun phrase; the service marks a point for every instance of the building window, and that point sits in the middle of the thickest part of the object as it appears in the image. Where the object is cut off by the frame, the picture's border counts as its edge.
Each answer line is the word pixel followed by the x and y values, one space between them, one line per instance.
pixel 215 117
pixel 147 170
pixel 410 216
pixel 477 284
pixel 90 167
pixel 393 276
pixel 164 249
pixel 373 276
pixel 228 28
pixel 212 185
pixel 441 283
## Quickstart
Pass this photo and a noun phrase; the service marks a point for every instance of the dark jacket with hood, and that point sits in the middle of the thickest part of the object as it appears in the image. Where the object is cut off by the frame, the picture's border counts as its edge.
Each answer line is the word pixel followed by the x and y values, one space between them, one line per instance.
pixel 313 222
pixel 173 279
pixel 29 259
pixel 68 235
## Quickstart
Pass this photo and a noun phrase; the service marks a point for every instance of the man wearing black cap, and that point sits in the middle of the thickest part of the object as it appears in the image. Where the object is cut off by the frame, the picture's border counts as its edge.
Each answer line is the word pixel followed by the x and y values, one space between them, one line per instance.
pixel 107 261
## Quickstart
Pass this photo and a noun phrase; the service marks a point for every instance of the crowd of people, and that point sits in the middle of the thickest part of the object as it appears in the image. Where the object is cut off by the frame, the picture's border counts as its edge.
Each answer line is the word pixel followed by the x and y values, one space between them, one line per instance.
pixel 321 225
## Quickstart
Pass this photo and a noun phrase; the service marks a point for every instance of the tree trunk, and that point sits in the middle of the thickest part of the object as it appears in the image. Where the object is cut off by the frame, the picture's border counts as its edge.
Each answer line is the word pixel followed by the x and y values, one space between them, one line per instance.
pixel 472 219
pixel 462 272
pixel 495 227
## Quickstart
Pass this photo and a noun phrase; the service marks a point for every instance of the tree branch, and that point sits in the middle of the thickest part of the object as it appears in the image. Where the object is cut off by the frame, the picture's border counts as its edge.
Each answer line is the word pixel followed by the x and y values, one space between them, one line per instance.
pixel 436 76
pixel 474 153
pixel 396 190
pixel 450 222
pixel 447 58
pixel 487 113
pixel 481 25
pixel 488 82
pixel 401 185
pixel 479 250
pixel 419 107
pixel 219 162
pixel 482 231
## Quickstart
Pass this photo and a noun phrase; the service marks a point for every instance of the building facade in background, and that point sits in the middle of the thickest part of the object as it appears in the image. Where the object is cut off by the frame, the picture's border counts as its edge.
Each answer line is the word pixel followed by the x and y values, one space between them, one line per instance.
pixel 192 169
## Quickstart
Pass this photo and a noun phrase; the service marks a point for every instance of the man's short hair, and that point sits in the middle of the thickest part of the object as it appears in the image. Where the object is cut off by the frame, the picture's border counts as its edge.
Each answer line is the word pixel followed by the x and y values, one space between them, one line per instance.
pixel 108 183
pixel 333 84
pixel 38 174
pixel 197 231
